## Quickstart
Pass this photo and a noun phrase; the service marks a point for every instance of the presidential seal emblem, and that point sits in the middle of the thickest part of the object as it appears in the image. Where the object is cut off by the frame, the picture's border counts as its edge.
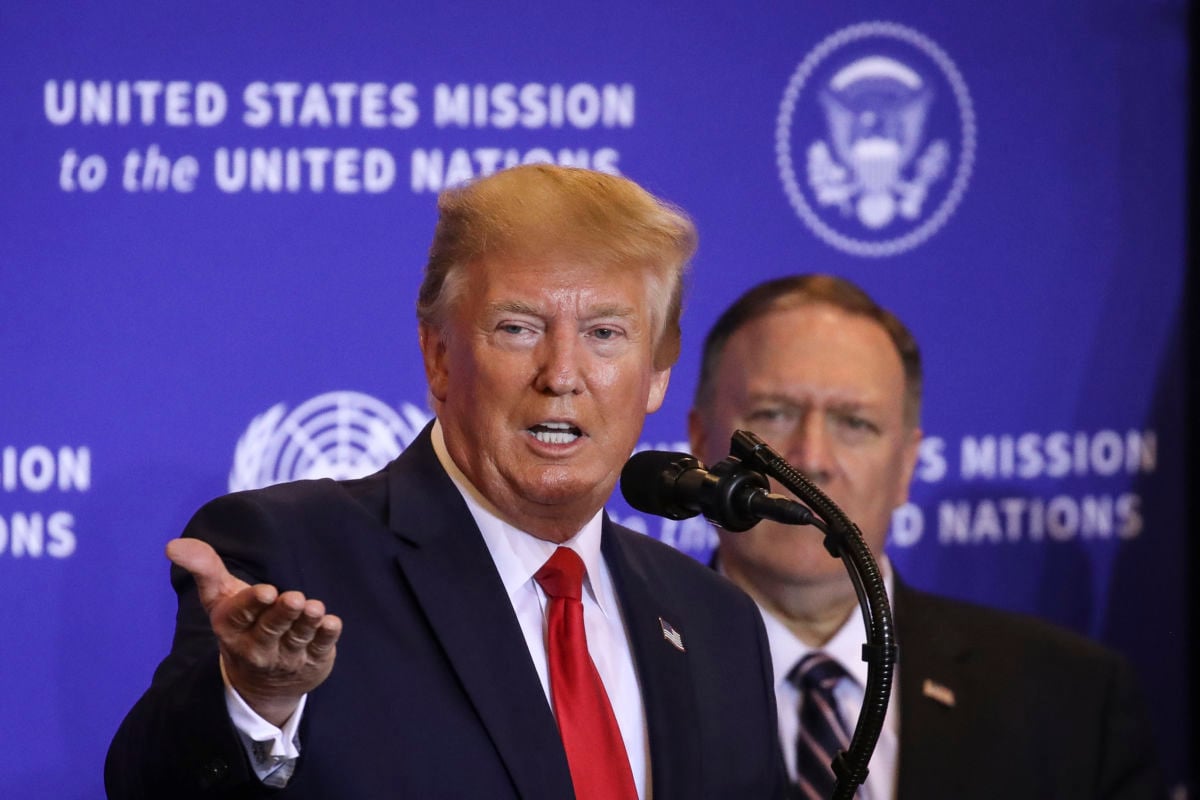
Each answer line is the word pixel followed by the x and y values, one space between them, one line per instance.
pixel 875 139
pixel 336 435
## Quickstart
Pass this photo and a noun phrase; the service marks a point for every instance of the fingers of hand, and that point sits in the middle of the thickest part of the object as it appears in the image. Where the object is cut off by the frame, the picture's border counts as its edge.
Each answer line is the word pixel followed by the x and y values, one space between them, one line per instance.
pixel 325 637
pixel 304 627
pixel 278 617
pixel 287 623
pixel 241 612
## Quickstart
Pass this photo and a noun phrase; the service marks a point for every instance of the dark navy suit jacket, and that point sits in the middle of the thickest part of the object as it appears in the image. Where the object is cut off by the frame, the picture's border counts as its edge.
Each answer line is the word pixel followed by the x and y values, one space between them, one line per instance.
pixel 998 706
pixel 433 693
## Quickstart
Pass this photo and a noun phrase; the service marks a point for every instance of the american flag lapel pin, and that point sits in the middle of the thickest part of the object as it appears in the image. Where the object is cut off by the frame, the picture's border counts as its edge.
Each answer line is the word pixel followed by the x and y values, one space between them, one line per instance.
pixel 671 635
pixel 938 693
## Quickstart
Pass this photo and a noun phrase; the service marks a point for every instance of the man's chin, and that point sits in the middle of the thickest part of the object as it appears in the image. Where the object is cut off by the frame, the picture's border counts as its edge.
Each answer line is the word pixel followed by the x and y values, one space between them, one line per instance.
pixel 810 567
pixel 559 486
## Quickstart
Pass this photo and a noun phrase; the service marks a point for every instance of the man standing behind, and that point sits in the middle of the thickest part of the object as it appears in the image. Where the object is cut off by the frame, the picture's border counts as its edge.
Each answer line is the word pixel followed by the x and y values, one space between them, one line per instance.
pixel 502 637
pixel 986 704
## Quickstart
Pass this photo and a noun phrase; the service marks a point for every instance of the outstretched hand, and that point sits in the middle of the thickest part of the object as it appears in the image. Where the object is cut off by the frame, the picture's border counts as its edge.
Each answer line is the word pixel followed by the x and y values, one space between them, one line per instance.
pixel 275 647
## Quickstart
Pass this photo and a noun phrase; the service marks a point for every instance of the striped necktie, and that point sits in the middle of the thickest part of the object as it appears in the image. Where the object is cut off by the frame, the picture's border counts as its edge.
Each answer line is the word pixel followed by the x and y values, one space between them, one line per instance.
pixel 822 732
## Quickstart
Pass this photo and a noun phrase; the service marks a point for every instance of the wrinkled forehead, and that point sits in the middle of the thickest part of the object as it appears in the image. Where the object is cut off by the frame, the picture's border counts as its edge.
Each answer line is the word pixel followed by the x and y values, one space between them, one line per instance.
pixel 562 280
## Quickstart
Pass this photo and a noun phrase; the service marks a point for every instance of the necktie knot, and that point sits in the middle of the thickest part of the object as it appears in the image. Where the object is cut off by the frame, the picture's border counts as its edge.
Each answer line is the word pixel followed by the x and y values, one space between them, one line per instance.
pixel 562 575
pixel 816 672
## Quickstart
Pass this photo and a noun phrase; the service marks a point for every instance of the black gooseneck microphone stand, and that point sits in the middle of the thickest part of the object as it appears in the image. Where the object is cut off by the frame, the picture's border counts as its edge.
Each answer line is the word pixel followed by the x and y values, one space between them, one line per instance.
pixel 843 540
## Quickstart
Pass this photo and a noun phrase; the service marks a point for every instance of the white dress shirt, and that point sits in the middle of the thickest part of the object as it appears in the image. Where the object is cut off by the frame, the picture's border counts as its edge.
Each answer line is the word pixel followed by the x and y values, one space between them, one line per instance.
pixel 846 648
pixel 517 556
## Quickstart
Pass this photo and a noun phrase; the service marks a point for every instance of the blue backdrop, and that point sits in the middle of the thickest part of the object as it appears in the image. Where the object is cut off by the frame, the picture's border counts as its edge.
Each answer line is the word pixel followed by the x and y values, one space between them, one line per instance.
pixel 213 219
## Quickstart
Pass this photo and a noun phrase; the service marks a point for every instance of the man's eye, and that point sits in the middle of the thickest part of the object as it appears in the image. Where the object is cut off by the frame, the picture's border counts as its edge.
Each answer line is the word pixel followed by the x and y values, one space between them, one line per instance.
pixel 858 424
pixel 512 327
pixel 605 334
pixel 766 415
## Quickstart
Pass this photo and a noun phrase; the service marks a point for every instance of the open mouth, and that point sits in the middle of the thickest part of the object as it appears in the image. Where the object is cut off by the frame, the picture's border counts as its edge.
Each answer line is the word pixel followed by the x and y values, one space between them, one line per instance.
pixel 555 432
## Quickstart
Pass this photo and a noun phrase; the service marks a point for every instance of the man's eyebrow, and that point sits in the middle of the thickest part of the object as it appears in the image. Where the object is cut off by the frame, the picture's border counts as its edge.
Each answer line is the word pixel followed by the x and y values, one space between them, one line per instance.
pixel 608 310
pixel 836 404
pixel 611 310
pixel 853 406
pixel 775 397
pixel 515 307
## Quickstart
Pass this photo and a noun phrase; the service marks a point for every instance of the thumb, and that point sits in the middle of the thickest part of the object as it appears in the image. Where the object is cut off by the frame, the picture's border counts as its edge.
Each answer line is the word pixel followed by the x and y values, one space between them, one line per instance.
pixel 199 558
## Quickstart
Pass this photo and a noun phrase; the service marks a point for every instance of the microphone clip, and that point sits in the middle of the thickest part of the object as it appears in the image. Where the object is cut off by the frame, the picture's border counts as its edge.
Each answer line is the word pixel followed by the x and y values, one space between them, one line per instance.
pixel 725 490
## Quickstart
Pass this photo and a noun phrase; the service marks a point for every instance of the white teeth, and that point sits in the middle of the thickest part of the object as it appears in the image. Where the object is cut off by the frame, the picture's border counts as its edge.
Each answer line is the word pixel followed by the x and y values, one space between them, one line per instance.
pixel 554 437
pixel 555 432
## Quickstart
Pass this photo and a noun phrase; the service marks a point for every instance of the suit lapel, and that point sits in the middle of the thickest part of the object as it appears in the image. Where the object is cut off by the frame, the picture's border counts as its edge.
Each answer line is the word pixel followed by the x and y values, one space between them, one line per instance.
pixel 932 688
pixel 664 670
pixel 452 575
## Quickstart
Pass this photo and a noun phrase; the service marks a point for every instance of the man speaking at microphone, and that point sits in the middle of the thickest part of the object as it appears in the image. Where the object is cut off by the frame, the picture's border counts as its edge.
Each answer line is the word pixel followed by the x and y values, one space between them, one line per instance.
pixel 986 705
pixel 468 623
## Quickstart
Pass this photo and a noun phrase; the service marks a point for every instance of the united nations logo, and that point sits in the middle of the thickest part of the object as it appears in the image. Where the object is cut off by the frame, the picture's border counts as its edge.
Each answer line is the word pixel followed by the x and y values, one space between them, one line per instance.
pixel 884 129
pixel 337 435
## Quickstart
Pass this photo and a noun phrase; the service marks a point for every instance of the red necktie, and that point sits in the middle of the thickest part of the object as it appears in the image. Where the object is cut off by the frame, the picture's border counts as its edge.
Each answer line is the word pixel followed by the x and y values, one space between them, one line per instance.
pixel 595 751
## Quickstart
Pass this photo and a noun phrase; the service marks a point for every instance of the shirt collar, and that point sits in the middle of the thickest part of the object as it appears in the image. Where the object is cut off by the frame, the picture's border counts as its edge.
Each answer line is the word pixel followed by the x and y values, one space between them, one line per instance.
pixel 845 646
pixel 517 554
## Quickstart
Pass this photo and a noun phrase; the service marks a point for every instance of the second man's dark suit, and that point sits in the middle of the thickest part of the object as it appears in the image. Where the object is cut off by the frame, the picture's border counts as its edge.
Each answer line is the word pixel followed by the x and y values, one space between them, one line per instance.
pixel 433 693
pixel 998 706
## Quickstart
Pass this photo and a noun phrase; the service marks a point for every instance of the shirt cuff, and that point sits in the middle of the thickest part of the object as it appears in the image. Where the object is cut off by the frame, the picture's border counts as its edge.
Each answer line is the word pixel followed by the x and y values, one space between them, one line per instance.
pixel 273 751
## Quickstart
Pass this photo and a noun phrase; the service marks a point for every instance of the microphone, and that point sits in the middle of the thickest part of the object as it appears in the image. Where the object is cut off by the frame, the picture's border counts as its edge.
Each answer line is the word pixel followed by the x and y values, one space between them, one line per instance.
pixel 731 495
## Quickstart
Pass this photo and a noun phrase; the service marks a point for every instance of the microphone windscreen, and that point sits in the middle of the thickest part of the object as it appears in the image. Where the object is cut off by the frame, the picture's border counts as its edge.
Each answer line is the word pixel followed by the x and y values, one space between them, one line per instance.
pixel 648 482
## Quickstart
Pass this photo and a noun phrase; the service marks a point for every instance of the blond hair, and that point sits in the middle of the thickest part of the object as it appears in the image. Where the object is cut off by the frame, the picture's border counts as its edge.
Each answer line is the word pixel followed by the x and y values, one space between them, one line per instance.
pixel 542 210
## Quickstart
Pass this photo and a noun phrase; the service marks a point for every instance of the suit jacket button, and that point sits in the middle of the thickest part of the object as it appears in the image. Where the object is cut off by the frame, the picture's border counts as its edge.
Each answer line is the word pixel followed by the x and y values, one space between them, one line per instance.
pixel 213 773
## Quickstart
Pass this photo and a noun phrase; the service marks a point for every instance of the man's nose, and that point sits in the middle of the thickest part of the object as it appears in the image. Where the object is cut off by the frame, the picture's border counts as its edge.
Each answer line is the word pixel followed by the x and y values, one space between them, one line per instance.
pixel 560 367
pixel 809 448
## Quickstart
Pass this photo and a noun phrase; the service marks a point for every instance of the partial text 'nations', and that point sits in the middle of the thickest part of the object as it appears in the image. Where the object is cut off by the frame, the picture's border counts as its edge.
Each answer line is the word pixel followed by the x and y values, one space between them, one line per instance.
pixel 33 474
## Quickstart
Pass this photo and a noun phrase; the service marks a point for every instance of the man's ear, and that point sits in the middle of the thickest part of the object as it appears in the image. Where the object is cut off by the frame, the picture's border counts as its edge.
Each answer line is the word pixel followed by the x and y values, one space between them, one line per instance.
pixel 697 436
pixel 912 448
pixel 658 389
pixel 433 351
